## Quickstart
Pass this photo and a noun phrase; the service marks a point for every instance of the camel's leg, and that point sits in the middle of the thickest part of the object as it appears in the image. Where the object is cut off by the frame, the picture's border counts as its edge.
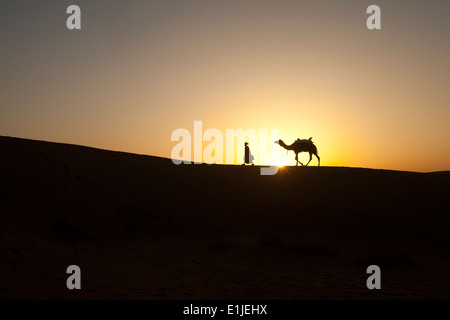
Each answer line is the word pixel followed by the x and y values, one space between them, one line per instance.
pixel 318 158
pixel 310 157
pixel 297 161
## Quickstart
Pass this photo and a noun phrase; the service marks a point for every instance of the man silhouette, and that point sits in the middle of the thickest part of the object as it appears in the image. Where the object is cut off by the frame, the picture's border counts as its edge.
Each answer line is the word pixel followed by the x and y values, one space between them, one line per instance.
pixel 248 158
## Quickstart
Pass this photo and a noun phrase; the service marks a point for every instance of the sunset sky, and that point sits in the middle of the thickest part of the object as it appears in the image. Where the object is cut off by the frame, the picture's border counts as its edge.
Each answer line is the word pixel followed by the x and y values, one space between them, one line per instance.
pixel 138 70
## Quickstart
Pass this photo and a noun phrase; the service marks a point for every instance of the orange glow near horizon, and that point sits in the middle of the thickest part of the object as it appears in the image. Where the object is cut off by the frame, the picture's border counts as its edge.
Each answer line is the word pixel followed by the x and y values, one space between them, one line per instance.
pixel 137 72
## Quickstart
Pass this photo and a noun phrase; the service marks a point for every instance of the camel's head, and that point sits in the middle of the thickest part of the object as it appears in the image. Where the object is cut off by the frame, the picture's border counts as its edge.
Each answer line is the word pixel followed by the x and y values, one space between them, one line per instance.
pixel 277 142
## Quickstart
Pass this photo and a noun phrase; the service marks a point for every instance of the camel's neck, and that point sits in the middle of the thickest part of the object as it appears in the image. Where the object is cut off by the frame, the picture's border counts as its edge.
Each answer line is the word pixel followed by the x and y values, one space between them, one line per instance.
pixel 284 145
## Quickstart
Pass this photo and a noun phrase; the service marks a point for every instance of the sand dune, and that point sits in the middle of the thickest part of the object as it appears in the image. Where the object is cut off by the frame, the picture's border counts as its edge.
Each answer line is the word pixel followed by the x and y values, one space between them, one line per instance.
pixel 141 227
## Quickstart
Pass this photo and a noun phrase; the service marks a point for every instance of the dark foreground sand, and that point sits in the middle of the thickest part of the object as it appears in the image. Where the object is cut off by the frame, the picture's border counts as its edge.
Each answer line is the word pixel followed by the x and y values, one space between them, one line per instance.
pixel 140 227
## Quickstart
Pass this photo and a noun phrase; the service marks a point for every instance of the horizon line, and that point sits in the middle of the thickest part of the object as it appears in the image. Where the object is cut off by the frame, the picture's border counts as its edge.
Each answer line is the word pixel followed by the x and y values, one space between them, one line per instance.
pixel 213 164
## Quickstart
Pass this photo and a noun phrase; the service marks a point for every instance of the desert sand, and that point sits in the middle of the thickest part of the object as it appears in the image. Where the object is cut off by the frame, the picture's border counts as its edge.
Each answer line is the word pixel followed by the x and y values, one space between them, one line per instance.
pixel 140 227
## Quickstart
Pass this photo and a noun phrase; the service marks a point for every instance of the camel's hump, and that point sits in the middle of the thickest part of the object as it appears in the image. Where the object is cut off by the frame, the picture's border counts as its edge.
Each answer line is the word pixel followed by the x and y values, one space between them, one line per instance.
pixel 304 140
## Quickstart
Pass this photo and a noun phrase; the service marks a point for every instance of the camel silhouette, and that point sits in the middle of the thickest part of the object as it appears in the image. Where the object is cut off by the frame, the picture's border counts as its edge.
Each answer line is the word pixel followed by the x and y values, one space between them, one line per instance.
pixel 301 146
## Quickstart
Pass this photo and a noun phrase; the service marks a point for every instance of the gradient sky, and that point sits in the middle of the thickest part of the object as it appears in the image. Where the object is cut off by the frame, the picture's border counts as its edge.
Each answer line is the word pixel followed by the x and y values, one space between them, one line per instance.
pixel 137 70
